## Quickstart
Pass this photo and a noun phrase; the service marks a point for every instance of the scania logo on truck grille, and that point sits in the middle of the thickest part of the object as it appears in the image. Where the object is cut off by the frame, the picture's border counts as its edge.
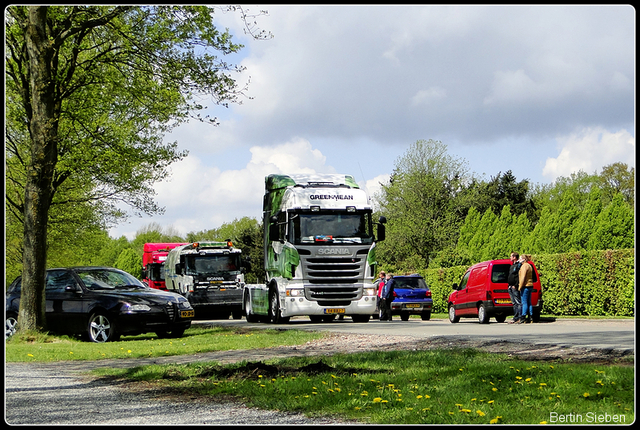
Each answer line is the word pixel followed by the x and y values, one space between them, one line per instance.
pixel 334 251
pixel 212 278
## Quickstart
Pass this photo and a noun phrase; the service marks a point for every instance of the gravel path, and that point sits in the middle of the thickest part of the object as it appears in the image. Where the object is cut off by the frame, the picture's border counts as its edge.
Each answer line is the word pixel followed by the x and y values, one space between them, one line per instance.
pixel 63 392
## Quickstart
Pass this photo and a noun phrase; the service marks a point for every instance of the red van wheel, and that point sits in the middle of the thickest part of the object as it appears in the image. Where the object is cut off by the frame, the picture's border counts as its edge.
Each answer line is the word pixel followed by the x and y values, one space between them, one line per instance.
pixel 452 315
pixel 483 317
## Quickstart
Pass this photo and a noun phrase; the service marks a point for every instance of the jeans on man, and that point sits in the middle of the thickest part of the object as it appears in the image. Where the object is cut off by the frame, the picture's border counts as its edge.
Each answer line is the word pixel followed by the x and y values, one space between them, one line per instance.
pixel 517 302
pixel 527 307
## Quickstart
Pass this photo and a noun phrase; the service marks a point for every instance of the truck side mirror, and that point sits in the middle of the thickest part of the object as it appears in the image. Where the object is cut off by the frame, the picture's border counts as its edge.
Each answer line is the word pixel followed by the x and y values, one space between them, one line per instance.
pixel 455 286
pixel 382 232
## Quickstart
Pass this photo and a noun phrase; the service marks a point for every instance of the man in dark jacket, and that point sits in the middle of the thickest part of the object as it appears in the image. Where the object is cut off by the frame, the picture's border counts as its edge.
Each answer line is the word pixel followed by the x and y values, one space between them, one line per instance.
pixel 514 292
pixel 386 298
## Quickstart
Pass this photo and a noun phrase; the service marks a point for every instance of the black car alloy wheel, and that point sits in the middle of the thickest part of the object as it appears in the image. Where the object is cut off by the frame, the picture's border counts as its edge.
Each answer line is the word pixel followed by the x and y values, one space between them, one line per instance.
pixel 101 328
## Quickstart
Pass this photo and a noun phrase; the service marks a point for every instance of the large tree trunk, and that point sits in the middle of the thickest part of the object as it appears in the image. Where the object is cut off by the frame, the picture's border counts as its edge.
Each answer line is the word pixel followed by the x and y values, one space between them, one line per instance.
pixel 43 124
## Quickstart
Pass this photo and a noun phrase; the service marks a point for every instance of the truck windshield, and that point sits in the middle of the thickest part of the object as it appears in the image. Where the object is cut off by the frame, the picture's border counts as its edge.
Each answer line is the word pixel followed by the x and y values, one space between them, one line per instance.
pixel 330 227
pixel 212 264
pixel 155 271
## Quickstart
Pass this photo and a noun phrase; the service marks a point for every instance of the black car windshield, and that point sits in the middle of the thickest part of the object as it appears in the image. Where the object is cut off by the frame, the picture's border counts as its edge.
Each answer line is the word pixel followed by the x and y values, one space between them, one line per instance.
pixel 96 279
pixel 410 283
pixel 330 227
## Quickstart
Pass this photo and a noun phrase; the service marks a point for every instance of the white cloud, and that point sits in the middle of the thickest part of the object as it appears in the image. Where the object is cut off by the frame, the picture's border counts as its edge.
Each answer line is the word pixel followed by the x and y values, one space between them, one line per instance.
pixel 589 150
pixel 428 96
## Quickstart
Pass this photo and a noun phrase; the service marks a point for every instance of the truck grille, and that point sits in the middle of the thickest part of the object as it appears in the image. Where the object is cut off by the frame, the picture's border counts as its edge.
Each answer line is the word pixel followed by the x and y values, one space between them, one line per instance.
pixel 333 280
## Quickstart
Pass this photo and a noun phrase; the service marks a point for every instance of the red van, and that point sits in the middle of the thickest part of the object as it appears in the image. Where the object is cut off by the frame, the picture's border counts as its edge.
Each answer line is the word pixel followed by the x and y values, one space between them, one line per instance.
pixel 483 292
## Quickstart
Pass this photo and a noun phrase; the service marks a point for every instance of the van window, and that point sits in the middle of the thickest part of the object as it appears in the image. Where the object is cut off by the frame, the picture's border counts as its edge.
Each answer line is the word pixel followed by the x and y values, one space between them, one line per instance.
pixel 500 273
pixel 465 279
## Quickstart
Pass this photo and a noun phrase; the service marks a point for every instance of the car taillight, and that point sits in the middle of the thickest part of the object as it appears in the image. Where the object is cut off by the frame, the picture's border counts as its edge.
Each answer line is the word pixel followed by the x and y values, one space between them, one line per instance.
pixel 394 294
pixel 427 294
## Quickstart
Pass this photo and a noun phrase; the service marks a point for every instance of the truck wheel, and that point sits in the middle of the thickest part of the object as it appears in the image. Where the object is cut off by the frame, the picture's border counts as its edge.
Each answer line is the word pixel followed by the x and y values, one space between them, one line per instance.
pixel 452 315
pixel 236 315
pixel 483 317
pixel 274 309
pixel 250 317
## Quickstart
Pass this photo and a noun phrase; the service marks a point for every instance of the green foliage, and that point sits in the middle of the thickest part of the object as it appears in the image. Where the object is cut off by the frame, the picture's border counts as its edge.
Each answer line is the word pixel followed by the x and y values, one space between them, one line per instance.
pixel 130 261
pixel 421 205
pixel 578 221
pixel 593 283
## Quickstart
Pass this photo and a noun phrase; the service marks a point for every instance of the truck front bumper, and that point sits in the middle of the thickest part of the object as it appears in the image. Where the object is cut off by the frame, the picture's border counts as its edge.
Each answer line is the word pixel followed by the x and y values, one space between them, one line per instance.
pixel 294 306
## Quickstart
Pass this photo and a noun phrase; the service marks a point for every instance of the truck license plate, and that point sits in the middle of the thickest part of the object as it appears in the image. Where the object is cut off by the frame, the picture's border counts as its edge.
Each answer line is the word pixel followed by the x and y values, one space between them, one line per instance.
pixel 334 311
pixel 187 314
pixel 413 305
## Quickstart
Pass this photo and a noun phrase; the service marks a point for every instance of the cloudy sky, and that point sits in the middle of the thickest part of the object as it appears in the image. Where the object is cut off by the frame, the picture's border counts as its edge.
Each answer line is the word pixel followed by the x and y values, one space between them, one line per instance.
pixel 542 91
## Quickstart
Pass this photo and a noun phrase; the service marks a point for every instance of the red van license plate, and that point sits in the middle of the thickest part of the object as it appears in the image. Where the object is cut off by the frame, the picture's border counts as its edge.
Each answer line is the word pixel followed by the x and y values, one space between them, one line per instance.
pixel 503 301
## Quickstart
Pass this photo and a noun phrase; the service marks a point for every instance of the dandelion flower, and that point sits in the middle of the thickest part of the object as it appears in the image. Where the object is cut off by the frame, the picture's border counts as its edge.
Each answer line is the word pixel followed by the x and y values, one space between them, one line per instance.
pixel 479 412
pixel 585 395
pixel 377 400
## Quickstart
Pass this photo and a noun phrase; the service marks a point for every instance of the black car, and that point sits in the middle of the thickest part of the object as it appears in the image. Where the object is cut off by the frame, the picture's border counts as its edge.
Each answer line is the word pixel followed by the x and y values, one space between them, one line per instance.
pixel 103 303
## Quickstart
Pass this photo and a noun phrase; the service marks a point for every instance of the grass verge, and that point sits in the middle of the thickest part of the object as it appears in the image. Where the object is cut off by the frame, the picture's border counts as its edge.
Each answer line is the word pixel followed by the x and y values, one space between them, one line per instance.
pixel 412 387
pixel 46 348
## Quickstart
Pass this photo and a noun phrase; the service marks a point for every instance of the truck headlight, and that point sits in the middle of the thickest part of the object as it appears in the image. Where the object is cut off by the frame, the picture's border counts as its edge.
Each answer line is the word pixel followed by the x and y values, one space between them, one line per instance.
pixel 295 292
pixel 369 292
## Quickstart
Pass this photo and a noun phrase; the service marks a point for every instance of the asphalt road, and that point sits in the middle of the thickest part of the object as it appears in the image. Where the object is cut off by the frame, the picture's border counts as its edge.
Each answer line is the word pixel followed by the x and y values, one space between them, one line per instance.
pixel 60 393
pixel 601 334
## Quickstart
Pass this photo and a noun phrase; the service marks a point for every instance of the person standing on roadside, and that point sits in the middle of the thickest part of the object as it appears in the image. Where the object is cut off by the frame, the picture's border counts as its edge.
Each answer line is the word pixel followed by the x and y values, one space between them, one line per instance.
pixel 386 297
pixel 525 275
pixel 514 291
pixel 379 283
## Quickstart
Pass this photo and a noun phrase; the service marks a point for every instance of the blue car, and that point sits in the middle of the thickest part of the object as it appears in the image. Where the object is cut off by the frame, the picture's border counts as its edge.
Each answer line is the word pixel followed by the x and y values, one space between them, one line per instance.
pixel 411 296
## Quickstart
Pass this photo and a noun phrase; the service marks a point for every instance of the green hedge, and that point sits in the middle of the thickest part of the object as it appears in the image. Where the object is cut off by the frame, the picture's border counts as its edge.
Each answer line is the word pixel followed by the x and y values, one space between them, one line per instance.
pixel 590 283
